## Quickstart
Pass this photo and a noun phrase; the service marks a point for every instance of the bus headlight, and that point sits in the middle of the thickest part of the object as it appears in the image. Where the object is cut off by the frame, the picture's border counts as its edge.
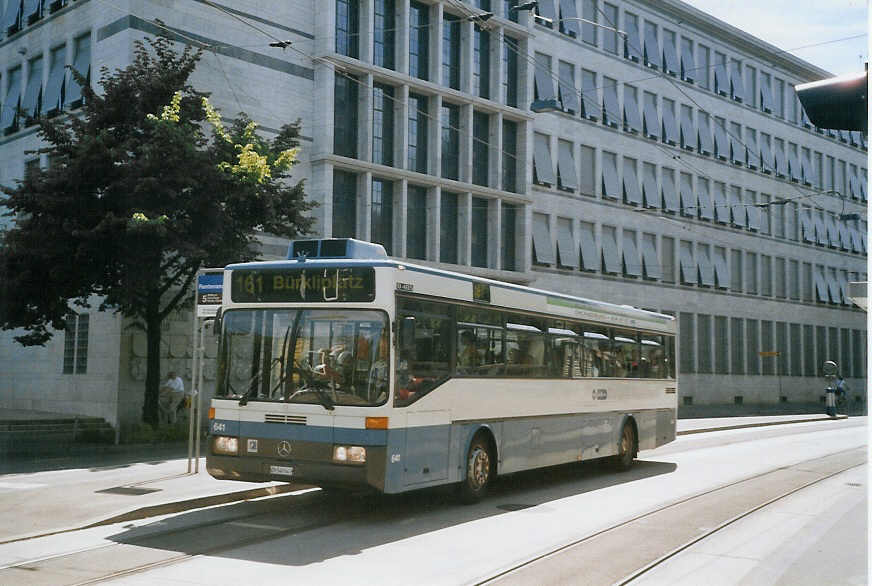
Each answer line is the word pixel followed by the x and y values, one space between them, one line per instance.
pixel 226 445
pixel 349 454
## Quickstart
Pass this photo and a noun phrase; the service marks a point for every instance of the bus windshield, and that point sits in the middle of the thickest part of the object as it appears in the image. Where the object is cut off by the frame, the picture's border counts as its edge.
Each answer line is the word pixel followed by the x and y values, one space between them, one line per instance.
pixel 320 356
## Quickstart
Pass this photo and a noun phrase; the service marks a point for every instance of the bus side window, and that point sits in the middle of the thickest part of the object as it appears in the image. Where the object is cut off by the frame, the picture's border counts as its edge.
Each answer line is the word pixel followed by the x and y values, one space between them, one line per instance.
pixel 423 363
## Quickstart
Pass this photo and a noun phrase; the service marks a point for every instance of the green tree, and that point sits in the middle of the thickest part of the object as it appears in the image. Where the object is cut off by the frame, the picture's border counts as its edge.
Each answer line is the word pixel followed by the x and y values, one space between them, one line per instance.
pixel 142 189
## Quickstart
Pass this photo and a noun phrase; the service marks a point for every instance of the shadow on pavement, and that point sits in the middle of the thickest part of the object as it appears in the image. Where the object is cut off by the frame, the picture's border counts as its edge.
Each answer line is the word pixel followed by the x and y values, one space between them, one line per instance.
pixel 93 456
pixel 297 530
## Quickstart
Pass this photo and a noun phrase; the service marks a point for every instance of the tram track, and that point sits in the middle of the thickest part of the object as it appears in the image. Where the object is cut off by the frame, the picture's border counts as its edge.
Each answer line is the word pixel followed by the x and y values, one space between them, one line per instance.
pixel 604 558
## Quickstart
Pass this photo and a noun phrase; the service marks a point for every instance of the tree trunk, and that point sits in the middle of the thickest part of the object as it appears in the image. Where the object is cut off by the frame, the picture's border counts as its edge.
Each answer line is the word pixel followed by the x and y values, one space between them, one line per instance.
pixel 150 413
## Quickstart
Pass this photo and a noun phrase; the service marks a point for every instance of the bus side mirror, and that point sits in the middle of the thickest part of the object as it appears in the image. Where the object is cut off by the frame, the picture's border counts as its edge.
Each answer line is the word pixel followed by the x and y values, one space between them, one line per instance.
pixel 216 323
pixel 407 334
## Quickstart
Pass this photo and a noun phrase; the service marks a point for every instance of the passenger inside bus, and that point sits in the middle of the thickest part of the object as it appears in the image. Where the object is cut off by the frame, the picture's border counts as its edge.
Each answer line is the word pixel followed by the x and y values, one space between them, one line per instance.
pixel 468 357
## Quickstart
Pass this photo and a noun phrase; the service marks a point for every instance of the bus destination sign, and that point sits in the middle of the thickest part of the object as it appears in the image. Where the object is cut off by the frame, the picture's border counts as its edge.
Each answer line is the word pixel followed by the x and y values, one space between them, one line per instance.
pixel 303 285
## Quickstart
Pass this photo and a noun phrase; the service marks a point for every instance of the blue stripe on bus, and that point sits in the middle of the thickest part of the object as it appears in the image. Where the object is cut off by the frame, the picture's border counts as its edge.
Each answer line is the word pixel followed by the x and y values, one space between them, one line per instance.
pixel 309 433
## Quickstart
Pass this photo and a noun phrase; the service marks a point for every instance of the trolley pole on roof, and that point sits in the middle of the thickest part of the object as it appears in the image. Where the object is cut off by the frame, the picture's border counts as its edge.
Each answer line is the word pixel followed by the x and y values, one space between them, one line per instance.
pixel 207 301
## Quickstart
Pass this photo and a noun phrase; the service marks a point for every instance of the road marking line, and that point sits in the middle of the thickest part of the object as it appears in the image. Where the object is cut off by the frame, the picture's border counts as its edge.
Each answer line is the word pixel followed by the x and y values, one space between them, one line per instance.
pixel 20 485
pixel 255 526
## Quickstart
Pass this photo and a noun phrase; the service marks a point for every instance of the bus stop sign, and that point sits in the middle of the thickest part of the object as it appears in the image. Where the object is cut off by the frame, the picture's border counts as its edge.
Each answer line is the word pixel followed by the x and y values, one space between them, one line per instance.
pixel 209 293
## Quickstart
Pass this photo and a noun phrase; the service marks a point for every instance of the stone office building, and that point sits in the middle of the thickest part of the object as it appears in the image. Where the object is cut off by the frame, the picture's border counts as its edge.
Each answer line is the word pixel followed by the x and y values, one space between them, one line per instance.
pixel 639 152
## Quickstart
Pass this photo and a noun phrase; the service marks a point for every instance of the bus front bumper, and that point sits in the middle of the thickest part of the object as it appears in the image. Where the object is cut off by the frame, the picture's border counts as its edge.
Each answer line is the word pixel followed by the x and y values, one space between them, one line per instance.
pixel 319 473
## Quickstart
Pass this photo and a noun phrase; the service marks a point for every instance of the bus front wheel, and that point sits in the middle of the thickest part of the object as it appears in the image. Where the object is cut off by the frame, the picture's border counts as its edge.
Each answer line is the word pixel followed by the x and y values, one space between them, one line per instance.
pixel 626 448
pixel 479 471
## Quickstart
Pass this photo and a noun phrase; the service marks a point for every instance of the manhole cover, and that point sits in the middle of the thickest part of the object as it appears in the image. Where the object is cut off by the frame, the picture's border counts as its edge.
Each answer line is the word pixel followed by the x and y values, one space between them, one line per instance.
pixel 513 507
pixel 128 490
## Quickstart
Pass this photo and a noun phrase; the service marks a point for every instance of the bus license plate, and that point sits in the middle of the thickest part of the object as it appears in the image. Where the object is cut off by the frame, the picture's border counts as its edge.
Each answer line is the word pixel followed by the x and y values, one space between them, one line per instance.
pixel 282 470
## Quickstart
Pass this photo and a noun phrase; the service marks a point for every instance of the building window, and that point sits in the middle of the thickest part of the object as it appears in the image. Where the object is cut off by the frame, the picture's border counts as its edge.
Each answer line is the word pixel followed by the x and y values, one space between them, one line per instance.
pixel 704 344
pixel 510 64
pixel 481 63
pixel 76 344
pixel 810 368
pixel 687 343
pixel 9 116
pixel 480 148
pixel 384 34
pixel 722 345
pixel 344 204
pixel 451 52
pixel 793 276
pixel 347 27
pixel 479 232
pixel 345 104
pixel 448 236
pixel 450 120
pixel 767 344
pixel 610 37
pixel 11 18
pixel 419 40
pixel 383 124
pixel 667 259
pixel 751 271
pixel 419 117
pixel 32 102
pixel 737 333
pixel 566 92
pixel 507 227
pixel 382 214
pixel 416 222
pixel 508 10
pixel 588 13
pixel 703 66
pixel 795 343
pixel 53 97
pixel 632 40
pixel 510 156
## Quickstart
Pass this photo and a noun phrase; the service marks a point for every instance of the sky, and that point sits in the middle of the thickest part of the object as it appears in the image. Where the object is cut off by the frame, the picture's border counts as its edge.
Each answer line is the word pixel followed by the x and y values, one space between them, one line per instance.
pixel 793 25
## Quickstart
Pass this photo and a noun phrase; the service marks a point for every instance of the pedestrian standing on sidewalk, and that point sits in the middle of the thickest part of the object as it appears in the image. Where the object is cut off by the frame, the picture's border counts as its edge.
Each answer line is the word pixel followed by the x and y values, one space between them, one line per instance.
pixel 171 394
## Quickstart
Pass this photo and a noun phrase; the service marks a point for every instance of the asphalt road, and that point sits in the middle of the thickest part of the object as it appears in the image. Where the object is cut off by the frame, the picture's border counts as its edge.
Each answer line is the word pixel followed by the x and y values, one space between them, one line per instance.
pixel 579 524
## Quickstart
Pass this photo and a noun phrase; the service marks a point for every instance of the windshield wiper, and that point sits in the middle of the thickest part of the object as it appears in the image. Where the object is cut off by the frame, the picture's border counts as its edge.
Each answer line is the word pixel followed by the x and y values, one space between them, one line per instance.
pixel 243 400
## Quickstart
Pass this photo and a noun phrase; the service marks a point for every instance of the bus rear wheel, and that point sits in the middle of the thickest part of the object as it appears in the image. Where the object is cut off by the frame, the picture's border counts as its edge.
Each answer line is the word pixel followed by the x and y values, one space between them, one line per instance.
pixel 479 471
pixel 626 448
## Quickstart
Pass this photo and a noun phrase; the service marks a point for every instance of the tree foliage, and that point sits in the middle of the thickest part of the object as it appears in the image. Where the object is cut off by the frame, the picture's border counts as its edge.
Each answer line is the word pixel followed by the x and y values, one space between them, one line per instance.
pixel 142 189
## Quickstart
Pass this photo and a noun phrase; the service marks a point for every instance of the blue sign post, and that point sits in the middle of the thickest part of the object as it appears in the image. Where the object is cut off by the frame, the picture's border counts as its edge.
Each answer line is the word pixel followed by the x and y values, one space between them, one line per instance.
pixel 207 302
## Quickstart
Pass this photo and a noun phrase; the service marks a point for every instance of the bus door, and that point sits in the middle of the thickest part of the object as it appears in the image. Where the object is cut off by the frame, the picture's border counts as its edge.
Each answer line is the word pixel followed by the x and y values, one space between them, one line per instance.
pixel 428 435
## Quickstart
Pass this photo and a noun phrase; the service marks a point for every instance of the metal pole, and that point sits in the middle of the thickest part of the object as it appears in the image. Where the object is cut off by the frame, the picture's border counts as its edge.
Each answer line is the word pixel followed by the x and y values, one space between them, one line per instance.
pixel 201 350
pixel 193 376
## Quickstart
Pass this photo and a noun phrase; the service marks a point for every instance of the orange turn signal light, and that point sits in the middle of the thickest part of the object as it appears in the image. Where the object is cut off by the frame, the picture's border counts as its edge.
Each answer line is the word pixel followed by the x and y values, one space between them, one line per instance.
pixel 211 412
pixel 376 422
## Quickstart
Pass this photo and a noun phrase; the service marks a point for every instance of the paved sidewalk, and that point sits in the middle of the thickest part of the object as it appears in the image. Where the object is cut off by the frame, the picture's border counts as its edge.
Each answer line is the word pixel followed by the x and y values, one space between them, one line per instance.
pixel 40 503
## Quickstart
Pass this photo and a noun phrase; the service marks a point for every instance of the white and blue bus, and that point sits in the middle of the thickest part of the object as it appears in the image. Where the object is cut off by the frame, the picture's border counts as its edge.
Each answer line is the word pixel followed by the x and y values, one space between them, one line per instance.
pixel 341 367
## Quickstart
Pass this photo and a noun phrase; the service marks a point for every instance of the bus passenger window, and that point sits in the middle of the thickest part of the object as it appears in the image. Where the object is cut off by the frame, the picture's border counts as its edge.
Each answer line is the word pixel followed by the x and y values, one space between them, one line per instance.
pixel 653 361
pixel 565 351
pixel 597 360
pixel 424 362
pixel 468 354
pixel 626 354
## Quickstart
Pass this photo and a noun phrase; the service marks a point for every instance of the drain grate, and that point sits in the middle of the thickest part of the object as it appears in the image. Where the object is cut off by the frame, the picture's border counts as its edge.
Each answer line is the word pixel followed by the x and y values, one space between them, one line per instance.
pixel 128 490
pixel 853 484
pixel 514 507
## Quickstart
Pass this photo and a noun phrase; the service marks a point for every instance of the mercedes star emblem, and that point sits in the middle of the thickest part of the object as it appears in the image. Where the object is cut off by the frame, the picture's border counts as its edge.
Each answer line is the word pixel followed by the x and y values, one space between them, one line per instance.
pixel 284 448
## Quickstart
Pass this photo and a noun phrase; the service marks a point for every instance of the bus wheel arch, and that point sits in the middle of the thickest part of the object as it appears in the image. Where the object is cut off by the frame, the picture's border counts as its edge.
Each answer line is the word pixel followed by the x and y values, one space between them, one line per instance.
pixel 480 466
pixel 628 444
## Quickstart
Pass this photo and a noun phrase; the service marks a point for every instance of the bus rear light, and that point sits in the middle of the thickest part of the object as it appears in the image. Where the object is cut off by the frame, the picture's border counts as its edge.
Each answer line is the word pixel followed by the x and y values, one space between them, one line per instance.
pixel 349 454
pixel 211 413
pixel 228 446
pixel 376 422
